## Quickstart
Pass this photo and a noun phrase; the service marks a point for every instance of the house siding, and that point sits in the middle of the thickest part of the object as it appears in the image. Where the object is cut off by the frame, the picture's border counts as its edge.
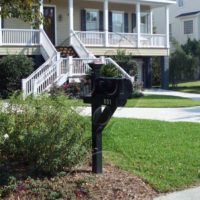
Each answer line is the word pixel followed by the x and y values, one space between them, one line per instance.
pixel 177 22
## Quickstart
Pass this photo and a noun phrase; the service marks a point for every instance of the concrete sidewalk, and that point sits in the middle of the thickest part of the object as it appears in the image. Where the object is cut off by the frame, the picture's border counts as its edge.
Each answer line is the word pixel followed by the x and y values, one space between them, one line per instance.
pixel 189 194
pixel 172 93
pixel 190 114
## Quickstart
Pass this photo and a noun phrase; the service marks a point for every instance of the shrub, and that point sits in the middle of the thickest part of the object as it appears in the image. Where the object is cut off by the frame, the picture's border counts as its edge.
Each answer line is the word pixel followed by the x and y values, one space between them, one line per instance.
pixel 126 61
pixel 44 133
pixel 182 67
pixel 73 89
pixel 109 70
pixel 13 68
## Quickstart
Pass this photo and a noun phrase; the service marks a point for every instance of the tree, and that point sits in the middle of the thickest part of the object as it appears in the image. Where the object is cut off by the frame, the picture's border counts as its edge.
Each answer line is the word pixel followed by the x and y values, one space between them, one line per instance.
pixel 22 9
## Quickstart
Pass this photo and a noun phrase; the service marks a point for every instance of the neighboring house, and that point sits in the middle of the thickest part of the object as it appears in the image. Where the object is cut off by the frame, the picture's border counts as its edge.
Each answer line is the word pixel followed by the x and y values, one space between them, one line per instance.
pixel 93 29
pixel 184 20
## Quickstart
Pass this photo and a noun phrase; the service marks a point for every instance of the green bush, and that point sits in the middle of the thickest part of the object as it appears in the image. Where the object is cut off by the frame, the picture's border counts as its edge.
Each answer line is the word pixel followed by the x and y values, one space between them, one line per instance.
pixel 126 61
pixel 13 68
pixel 109 70
pixel 43 133
pixel 182 67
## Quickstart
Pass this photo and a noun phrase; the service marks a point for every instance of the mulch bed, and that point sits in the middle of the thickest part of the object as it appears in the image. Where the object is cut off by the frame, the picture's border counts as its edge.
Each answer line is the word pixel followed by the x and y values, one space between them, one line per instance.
pixel 114 184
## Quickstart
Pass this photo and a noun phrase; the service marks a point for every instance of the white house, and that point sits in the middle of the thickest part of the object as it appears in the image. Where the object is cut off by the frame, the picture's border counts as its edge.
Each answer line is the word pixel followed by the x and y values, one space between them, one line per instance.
pixel 184 20
pixel 93 28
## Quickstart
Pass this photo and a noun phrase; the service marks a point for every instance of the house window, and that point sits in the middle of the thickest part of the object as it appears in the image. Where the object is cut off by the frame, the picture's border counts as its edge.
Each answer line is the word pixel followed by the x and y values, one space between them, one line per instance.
pixel 118 22
pixel 92 20
pixel 180 3
pixel 144 22
pixel 188 27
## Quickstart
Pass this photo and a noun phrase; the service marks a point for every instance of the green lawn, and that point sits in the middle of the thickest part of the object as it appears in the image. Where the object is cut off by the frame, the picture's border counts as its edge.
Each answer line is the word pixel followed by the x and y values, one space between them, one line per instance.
pixel 161 101
pixel 164 154
pixel 191 87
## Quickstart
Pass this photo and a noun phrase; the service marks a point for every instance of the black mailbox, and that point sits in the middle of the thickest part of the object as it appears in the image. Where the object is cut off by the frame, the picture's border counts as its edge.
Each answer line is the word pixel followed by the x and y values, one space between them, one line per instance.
pixel 110 92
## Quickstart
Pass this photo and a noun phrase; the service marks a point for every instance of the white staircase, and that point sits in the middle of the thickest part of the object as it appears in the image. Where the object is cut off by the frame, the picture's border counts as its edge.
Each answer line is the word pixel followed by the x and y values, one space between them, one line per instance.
pixel 57 70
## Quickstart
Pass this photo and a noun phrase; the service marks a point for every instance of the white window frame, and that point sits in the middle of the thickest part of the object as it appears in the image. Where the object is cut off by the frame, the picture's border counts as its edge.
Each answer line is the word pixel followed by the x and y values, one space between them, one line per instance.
pixel 118 12
pixel 98 18
pixel 180 3
pixel 186 30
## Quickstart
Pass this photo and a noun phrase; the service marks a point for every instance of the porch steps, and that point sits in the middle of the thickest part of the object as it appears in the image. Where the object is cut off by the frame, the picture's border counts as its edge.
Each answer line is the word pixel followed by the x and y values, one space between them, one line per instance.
pixel 67 51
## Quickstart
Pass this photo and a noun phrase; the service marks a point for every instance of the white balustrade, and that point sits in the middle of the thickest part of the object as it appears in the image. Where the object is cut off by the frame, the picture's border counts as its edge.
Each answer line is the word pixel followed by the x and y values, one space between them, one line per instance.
pixel 153 40
pixel 47 44
pixel 90 38
pixel 81 67
pixel 22 37
pixel 122 39
pixel 80 47
pixel 97 39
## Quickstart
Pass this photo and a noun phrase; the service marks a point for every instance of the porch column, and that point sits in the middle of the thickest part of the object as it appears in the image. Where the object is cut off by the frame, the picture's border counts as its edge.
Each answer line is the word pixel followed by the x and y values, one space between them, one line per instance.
pixel 165 72
pixel 71 19
pixel 167 25
pixel 106 12
pixel 138 23
pixel 42 13
pixel 0 29
pixel 151 22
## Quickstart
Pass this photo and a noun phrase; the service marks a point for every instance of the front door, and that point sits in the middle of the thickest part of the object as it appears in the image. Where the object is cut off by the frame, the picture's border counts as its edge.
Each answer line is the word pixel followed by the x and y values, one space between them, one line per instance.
pixel 49 23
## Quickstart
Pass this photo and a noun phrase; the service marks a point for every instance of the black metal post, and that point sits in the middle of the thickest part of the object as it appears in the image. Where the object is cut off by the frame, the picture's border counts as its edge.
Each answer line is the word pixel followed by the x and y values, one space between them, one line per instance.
pixel 96 134
pixel 96 141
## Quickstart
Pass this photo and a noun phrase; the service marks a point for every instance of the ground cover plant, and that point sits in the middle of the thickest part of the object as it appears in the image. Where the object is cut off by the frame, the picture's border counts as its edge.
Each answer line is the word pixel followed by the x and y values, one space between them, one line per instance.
pixel 164 154
pixel 190 87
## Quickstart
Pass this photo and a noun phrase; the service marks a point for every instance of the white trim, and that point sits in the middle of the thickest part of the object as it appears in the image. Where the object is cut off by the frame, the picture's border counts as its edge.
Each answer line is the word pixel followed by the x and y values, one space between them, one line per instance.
pixel 71 14
pixel 138 23
pixel 0 29
pixel 151 21
pixel 167 25
pixel 55 19
pixel 106 21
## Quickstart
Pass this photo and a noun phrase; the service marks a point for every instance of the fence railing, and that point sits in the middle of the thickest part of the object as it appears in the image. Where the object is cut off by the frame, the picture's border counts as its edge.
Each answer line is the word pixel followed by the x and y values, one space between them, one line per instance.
pixel 89 37
pixel 97 39
pixel 28 84
pixel 122 39
pixel 153 40
pixel 20 37
pixel 47 44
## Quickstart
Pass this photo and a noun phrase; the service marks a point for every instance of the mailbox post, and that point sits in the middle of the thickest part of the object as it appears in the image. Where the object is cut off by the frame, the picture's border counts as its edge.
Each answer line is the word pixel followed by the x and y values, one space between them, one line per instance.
pixel 110 92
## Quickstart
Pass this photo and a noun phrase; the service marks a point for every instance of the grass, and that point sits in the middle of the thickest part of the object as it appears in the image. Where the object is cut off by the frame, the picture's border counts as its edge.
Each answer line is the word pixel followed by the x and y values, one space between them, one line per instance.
pixel 161 101
pixel 190 87
pixel 164 154
pixel 152 101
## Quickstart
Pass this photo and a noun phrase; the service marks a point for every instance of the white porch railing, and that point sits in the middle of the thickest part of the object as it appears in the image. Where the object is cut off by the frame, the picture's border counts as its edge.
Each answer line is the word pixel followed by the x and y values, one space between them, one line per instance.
pixel 29 84
pixel 89 37
pixel 79 46
pixel 154 40
pixel 22 37
pixel 47 45
pixel 45 75
pixel 122 39
pixel 97 39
